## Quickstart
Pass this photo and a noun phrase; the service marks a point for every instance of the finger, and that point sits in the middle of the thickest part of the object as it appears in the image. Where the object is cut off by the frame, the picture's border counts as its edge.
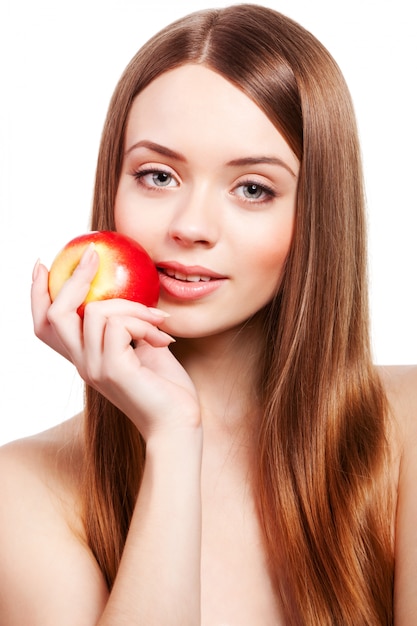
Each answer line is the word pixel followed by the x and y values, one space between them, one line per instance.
pixel 74 291
pixel 40 300
pixel 97 315
pixel 62 314
pixel 40 303
pixel 119 306
pixel 107 341
pixel 119 332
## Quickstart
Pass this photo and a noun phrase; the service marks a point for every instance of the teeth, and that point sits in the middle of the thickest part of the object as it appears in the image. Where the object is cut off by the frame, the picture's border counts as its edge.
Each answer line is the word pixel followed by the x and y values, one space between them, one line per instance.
pixel 180 276
pixel 191 278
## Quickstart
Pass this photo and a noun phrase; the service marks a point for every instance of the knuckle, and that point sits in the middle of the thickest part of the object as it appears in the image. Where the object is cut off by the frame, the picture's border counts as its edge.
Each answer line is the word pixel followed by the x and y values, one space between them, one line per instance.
pixel 107 375
pixel 38 329
pixel 93 309
pixel 53 314
pixel 91 375
pixel 113 323
pixel 88 312
pixel 99 375
pixel 115 329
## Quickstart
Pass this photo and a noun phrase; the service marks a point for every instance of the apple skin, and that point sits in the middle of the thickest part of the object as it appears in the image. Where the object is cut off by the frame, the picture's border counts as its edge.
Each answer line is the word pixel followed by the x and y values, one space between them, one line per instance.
pixel 125 270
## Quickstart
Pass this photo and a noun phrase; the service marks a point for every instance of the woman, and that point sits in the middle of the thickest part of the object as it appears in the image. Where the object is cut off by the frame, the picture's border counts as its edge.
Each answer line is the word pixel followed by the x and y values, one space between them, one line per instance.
pixel 258 469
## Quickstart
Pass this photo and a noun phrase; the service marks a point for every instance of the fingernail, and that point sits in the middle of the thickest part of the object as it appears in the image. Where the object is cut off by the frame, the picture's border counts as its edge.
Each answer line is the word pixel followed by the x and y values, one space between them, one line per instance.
pixel 35 271
pixel 87 255
pixel 159 312
pixel 171 339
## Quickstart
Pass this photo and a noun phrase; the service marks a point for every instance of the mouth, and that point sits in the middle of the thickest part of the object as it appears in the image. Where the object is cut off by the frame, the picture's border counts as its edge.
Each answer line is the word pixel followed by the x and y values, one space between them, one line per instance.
pixel 188 278
pixel 188 282
pixel 188 273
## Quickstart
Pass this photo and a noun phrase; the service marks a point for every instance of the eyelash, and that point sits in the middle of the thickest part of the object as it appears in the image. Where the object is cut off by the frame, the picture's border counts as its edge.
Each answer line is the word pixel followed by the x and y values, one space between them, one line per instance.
pixel 140 174
pixel 267 192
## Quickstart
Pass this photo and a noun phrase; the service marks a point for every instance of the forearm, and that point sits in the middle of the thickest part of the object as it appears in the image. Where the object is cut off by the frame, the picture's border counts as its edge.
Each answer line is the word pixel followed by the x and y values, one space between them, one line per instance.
pixel 159 576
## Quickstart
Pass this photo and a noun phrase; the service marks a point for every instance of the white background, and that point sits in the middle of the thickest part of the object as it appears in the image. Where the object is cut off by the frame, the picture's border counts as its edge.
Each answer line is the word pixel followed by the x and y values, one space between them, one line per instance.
pixel 59 65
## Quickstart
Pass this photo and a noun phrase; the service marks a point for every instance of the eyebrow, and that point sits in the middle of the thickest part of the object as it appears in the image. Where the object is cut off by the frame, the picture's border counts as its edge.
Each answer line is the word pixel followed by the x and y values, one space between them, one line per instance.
pixel 254 160
pixel 261 159
pixel 156 147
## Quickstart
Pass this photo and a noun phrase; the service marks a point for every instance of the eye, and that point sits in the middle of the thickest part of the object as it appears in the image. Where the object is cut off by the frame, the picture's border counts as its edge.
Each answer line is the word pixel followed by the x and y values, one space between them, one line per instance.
pixel 256 192
pixel 155 178
pixel 253 191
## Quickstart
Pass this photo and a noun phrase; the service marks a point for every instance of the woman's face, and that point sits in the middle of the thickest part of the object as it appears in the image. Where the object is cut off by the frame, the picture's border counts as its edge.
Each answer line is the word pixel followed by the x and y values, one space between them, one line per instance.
pixel 208 187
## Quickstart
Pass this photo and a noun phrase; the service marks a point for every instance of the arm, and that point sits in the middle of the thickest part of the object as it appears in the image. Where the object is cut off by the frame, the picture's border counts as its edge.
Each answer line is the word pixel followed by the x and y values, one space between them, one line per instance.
pixel 48 573
pixel 159 578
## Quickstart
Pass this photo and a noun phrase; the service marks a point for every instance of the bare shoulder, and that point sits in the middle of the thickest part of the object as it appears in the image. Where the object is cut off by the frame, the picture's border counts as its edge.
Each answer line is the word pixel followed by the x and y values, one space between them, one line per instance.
pixel 45 468
pixel 400 383
pixel 39 450
pixel 45 566
pixel 401 387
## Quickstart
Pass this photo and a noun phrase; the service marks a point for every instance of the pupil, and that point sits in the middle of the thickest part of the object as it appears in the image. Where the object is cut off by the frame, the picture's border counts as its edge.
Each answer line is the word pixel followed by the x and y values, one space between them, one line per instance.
pixel 253 190
pixel 162 178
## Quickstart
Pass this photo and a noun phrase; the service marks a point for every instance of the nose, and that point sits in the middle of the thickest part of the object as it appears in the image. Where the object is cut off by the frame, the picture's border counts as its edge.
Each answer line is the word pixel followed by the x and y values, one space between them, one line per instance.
pixel 196 219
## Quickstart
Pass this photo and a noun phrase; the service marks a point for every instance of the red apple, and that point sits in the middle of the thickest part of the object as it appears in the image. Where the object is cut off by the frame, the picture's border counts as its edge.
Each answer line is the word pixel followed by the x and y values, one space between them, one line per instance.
pixel 125 271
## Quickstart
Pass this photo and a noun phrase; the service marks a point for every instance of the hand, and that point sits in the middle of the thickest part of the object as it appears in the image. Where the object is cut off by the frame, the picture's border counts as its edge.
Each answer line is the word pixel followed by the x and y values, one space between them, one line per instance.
pixel 146 382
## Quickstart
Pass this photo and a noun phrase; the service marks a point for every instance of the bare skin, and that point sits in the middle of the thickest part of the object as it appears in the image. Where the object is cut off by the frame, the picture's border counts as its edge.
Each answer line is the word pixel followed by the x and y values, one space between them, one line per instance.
pixel 193 555
pixel 44 522
pixel 235 586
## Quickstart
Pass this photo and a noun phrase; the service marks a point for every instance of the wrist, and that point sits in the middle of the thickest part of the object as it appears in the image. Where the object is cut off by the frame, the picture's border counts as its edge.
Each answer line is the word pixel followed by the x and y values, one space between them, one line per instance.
pixel 175 441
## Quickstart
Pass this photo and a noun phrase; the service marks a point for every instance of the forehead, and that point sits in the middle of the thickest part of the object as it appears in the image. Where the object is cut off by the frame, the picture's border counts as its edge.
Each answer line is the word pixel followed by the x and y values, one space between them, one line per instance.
pixel 194 103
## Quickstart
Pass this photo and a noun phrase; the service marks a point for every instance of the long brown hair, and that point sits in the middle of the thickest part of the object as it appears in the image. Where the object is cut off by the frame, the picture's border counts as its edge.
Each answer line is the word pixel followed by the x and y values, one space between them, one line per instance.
pixel 321 477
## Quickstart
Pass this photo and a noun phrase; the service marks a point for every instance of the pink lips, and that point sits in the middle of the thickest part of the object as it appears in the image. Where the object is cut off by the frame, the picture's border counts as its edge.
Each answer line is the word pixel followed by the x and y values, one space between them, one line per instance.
pixel 187 282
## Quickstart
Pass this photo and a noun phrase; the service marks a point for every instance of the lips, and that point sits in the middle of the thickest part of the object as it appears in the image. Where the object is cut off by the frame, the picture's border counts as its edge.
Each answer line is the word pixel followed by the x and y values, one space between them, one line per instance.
pixel 188 282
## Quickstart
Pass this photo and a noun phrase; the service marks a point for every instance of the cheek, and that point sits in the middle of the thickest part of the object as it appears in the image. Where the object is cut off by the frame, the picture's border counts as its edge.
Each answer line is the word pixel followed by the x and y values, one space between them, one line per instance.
pixel 133 223
pixel 268 254
pixel 268 271
pixel 126 213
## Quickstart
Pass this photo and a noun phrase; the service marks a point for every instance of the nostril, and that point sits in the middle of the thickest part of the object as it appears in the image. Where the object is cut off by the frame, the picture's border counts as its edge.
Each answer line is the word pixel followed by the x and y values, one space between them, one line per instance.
pixel 187 239
pixel 191 227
